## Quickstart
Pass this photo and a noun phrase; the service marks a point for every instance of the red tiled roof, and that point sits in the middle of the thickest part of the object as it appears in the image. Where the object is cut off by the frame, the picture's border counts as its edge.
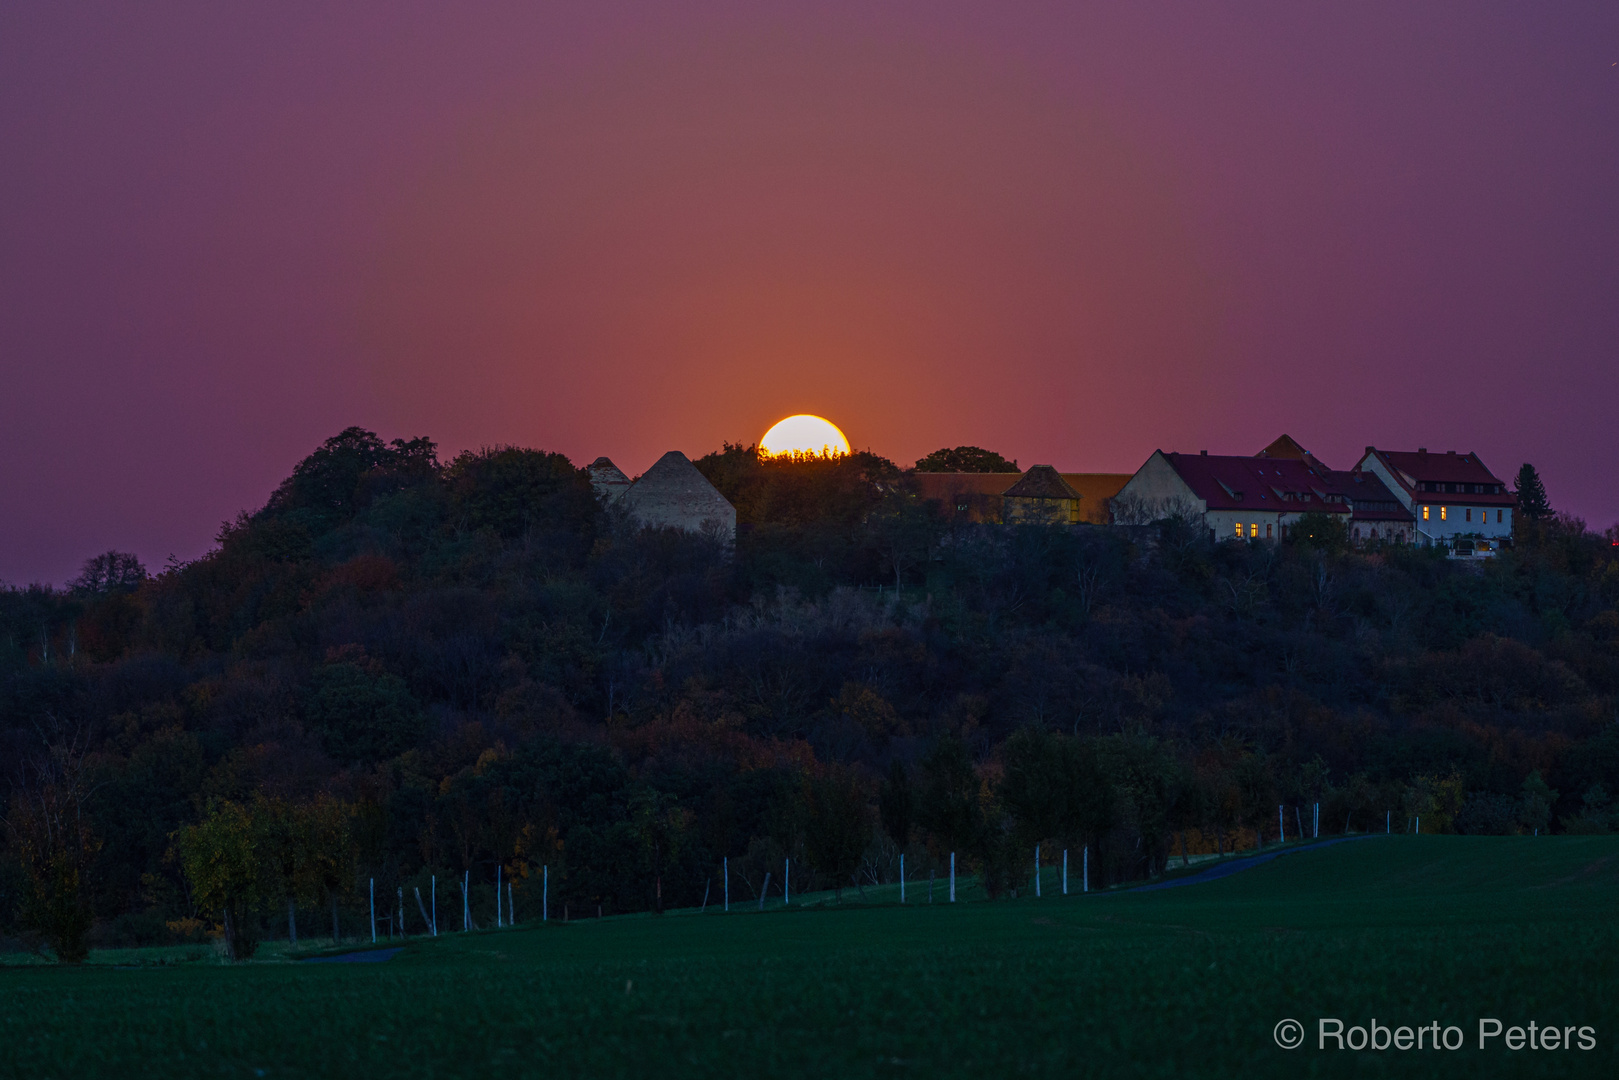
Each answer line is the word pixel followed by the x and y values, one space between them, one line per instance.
pixel 1277 485
pixel 1420 467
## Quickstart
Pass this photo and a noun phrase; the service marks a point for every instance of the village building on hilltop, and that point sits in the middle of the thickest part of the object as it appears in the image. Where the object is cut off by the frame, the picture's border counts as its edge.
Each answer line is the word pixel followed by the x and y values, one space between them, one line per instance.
pixel 983 497
pixel 1264 496
pixel 1452 499
pixel 671 494
pixel 1248 498
pixel 1040 497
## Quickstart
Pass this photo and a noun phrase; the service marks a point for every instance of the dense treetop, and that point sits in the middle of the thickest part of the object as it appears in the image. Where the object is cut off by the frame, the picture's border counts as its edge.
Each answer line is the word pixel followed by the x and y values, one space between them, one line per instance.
pixel 965 459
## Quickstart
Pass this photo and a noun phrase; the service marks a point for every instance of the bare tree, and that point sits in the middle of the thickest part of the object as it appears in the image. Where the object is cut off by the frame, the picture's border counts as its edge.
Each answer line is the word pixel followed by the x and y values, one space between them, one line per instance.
pixel 49 827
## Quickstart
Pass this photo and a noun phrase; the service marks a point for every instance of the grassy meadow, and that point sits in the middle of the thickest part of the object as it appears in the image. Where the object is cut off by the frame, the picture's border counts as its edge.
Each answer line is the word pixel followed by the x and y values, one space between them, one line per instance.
pixel 1174 982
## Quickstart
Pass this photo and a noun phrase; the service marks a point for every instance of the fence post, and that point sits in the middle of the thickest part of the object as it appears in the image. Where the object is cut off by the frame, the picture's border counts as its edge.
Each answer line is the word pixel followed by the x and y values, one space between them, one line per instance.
pixel 1281 826
pixel 373 911
pixel 726 864
pixel 1065 871
pixel 1087 887
pixel 952 877
pixel 902 877
pixel 545 893
pixel 497 896
pixel 435 905
pixel 787 883
pixel 1037 871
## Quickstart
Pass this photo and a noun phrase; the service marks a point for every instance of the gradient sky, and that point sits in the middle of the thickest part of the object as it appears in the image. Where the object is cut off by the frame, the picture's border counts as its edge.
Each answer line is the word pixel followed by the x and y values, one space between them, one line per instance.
pixel 1071 233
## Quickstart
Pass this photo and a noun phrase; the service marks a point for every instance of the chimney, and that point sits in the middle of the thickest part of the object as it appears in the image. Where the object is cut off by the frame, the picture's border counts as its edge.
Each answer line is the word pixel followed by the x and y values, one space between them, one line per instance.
pixel 1423 450
pixel 1204 453
pixel 1371 449
pixel 1452 453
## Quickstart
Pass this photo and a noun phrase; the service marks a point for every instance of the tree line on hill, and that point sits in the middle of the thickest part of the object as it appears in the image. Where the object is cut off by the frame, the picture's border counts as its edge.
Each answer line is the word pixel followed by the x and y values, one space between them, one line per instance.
pixel 420 674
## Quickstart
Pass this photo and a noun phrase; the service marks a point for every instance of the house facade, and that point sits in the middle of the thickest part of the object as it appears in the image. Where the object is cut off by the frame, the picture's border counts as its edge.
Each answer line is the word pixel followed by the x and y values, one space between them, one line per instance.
pixel 1040 497
pixel 1454 500
pixel 1237 498
pixel 1377 515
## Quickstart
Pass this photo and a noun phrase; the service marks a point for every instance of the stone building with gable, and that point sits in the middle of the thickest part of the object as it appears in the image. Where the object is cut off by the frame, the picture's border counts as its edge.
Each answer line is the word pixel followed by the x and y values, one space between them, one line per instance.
pixel 1040 497
pixel 607 480
pixel 671 494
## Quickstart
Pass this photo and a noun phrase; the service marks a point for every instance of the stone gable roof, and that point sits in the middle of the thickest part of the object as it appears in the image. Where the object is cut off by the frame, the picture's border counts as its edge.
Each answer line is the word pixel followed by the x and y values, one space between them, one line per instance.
pixel 673 493
pixel 1041 482
pixel 607 479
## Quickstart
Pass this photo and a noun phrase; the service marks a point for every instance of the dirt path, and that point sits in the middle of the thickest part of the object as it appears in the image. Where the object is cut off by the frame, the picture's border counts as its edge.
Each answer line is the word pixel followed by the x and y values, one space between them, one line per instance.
pixel 370 956
pixel 1225 869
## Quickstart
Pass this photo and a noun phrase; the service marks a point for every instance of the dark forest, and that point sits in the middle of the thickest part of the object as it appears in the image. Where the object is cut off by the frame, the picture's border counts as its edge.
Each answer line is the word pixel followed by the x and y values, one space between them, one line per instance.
pixel 403 670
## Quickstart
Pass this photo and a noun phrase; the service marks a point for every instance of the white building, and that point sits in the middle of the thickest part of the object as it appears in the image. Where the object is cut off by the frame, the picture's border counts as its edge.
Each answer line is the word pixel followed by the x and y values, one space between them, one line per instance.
pixel 1456 501
pixel 1237 498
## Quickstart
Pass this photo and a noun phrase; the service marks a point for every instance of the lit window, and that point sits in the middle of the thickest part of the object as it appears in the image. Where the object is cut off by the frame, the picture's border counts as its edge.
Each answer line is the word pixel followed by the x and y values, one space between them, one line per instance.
pixel 1424 513
pixel 1253 529
pixel 1239 530
pixel 1444 513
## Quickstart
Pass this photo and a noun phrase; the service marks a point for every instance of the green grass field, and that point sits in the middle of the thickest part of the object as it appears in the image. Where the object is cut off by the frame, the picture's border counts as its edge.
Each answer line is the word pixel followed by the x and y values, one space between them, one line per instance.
pixel 1177 982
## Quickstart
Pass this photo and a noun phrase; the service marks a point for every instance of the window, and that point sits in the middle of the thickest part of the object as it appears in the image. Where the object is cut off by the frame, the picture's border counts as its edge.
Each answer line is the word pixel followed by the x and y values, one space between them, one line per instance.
pixel 1267 530
pixel 1239 530
pixel 1498 517
pixel 1424 513
pixel 1444 513
pixel 1469 513
pixel 1253 529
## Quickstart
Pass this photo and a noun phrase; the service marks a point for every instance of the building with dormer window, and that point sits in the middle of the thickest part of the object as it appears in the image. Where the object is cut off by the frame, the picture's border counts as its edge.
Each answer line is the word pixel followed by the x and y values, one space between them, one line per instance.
pixel 1455 501
pixel 1237 498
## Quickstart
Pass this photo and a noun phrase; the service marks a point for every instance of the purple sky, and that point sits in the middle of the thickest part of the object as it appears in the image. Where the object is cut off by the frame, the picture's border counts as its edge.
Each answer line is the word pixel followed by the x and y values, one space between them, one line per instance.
pixel 1070 233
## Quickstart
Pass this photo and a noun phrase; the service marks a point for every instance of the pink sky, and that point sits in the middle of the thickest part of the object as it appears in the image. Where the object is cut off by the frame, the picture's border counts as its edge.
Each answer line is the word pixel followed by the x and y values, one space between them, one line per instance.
pixel 1070 233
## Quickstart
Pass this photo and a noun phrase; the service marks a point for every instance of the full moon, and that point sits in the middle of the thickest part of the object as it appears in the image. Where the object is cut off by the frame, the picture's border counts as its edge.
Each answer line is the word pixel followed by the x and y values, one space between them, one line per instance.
pixel 805 434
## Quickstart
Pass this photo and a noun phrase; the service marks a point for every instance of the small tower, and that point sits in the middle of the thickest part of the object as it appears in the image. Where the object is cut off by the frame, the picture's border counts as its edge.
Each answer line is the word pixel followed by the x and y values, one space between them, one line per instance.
pixel 607 480
pixel 674 494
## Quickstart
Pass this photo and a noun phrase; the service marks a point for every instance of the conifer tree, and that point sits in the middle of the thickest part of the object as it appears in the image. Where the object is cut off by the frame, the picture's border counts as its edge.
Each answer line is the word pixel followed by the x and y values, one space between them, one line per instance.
pixel 1532 503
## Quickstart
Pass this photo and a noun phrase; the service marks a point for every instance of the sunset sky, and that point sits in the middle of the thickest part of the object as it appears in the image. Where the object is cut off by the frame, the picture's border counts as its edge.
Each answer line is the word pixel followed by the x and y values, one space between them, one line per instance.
pixel 1070 233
